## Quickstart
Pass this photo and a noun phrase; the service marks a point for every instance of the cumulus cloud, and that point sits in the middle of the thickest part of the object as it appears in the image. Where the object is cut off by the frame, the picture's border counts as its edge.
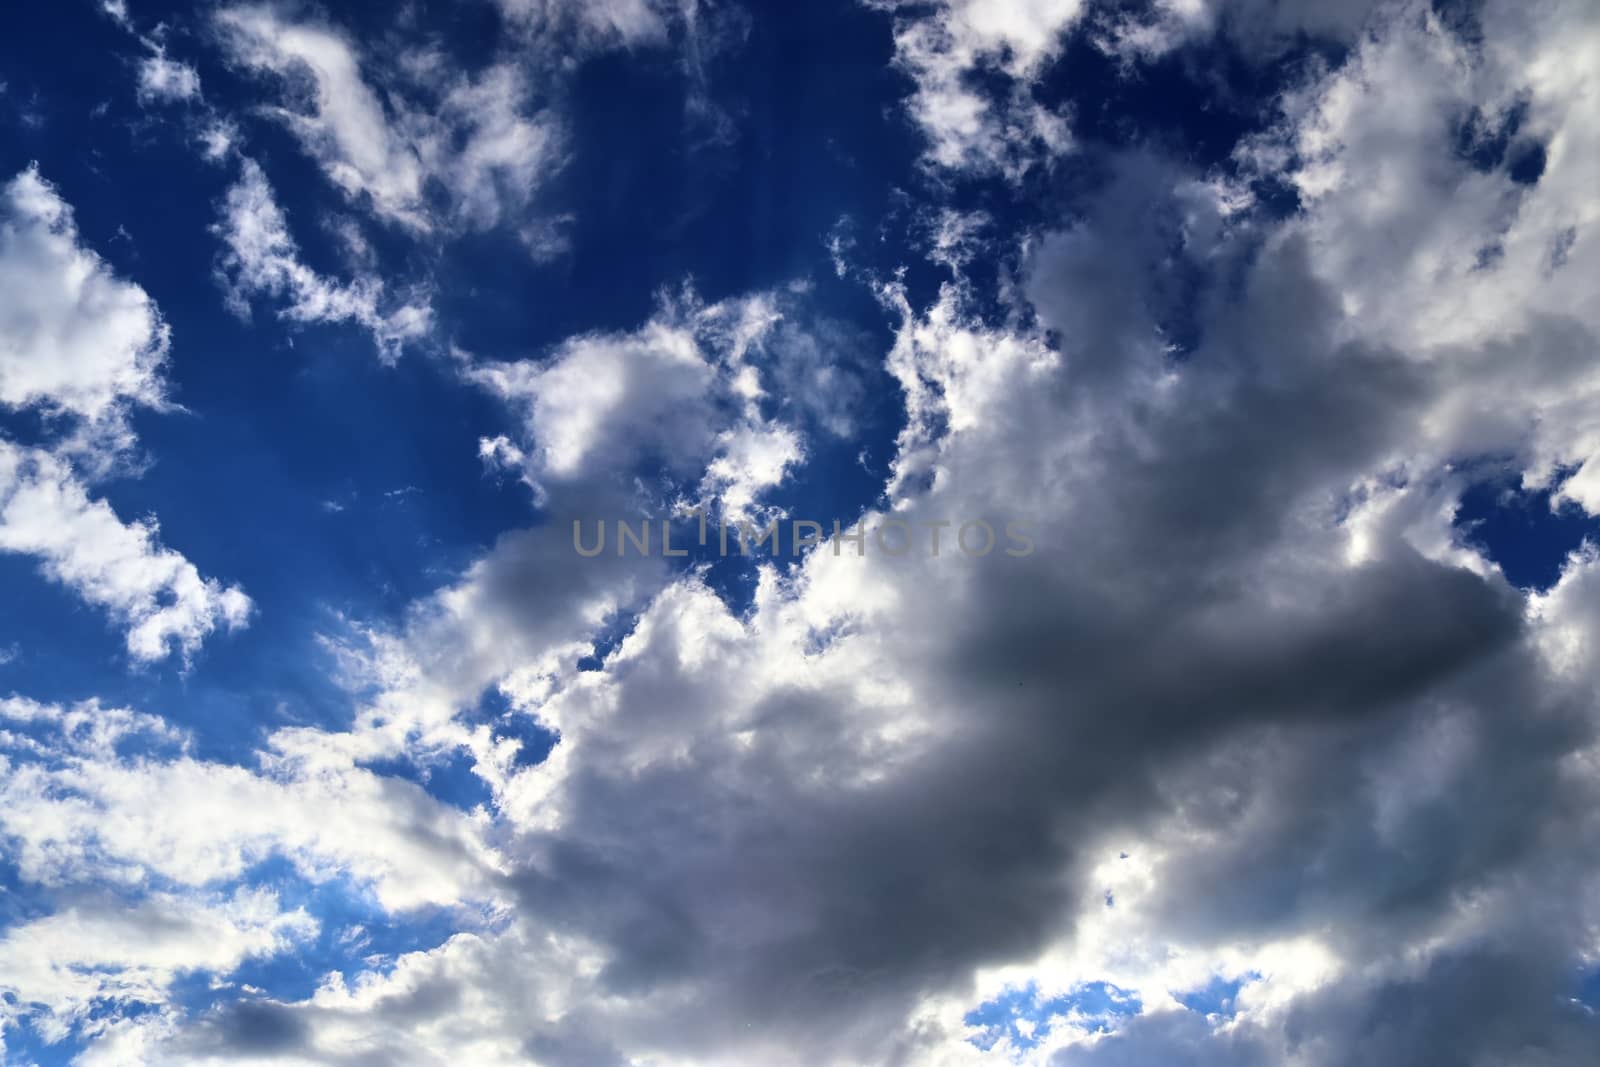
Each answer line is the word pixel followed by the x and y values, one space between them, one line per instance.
pixel 165 80
pixel 1196 736
pixel 84 346
pixel 602 401
pixel 123 568
pixel 944 49
pixel 1251 717
pixel 74 337
pixel 117 944
pixel 683 395
pixel 62 969
pixel 688 394
pixel 749 460
pixel 153 888
pixel 79 813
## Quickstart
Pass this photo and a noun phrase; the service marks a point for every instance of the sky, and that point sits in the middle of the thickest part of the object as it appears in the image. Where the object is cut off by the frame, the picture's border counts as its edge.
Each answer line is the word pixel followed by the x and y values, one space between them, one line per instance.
pixel 1180 421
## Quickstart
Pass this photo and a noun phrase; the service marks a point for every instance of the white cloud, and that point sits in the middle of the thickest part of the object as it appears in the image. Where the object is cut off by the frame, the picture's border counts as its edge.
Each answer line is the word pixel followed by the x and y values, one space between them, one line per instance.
pixel 81 344
pixel 682 393
pixel 157 594
pixel 262 258
pixel 1475 277
pixel 944 48
pixel 345 126
pixel 1358 778
pixel 78 813
pixel 166 80
pixel 74 337
pixel 61 968
pixel 217 138
pixel 749 460
pixel 488 154
pixel 681 390
pixel 472 998
pixel 472 135
pixel 600 401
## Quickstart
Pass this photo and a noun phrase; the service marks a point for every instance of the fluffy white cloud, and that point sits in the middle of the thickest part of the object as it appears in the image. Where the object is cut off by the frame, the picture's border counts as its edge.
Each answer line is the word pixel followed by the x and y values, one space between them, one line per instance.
pixel 60 969
pixel 137 841
pixel 83 346
pixel 827 827
pixel 74 338
pixel 683 393
pixel 79 813
pixel 1251 711
pixel 749 460
pixel 162 79
pixel 944 49
pixel 1477 277
pixel 430 1007
pixel 157 594
pixel 601 401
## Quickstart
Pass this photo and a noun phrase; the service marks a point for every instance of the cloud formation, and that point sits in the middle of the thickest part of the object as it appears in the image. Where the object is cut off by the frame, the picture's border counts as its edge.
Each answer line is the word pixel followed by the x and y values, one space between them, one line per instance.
pixel 74 338
pixel 153 591
pixel 1249 655
pixel 945 49
pixel 84 347
pixel 1257 759
pixel 261 258
pixel 474 137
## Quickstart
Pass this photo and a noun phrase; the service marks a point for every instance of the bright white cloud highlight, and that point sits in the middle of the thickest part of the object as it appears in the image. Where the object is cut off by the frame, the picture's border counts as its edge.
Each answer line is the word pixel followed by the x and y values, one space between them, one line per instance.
pixel 81 344
pixel 944 47
pixel 475 136
pixel 158 595
pixel 60 968
pixel 74 338
pixel 345 126
pixel 1253 711
pixel 167 80
pixel 77 813
pixel 261 258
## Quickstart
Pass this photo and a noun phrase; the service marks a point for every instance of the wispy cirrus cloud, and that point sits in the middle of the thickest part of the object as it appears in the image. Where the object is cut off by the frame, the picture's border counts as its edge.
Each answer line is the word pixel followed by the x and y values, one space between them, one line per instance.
pixel 477 137
pixel 261 259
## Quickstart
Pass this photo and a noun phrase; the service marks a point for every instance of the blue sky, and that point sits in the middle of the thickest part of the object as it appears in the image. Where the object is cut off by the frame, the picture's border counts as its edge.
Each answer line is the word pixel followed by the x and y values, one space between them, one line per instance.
pixel 321 324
